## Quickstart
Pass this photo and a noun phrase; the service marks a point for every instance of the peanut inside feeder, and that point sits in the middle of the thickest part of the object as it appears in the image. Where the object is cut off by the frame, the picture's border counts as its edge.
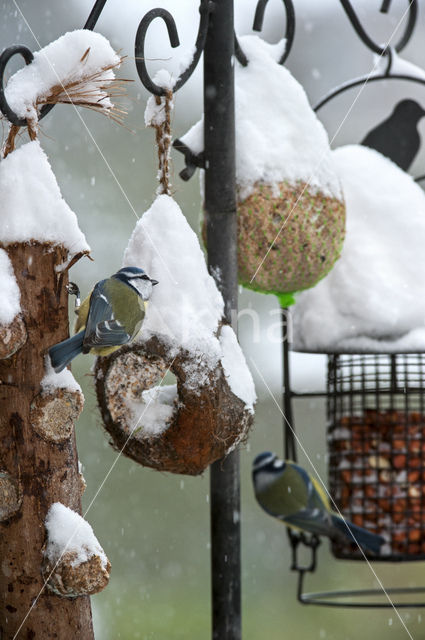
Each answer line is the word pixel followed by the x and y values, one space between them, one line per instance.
pixel 377 450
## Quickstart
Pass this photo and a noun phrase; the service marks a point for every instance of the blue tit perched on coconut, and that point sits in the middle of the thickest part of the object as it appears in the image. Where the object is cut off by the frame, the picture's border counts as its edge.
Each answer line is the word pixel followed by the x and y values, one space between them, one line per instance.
pixel 108 318
pixel 287 492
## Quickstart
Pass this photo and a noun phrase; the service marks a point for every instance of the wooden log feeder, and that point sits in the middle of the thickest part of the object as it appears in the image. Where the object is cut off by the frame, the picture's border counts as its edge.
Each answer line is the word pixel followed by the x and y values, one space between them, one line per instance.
pixel 38 459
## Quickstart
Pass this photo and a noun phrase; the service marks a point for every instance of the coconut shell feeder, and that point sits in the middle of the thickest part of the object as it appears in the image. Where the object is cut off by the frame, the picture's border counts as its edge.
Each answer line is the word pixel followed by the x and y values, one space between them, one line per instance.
pixel 196 433
pixel 182 428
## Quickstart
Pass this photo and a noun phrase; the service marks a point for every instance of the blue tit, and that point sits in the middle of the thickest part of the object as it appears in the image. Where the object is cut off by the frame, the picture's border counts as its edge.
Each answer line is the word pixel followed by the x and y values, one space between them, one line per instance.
pixel 109 317
pixel 287 492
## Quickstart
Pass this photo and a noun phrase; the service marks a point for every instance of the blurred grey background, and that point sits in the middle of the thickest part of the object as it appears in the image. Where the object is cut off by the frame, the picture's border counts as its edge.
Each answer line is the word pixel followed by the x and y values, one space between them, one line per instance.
pixel 155 527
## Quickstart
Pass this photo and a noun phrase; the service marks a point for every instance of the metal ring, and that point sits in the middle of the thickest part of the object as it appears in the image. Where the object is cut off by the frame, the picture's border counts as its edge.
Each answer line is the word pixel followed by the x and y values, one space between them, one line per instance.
pixel 358 81
pixel 205 9
pixel 356 24
pixel 258 25
pixel 333 598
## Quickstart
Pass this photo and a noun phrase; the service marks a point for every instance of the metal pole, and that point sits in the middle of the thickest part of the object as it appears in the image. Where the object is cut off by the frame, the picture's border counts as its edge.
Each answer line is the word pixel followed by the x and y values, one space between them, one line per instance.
pixel 220 208
pixel 288 422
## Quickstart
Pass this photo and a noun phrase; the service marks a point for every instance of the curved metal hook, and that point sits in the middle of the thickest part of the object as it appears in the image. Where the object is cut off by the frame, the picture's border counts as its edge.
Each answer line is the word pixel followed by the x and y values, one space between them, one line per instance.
pixel 205 9
pixel 29 57
pixel 258 25
pixel 352 16
pixel 4 59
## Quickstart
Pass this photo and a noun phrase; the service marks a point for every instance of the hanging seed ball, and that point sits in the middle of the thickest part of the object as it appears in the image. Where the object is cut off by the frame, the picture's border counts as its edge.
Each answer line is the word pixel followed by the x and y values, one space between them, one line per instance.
pixel 305 231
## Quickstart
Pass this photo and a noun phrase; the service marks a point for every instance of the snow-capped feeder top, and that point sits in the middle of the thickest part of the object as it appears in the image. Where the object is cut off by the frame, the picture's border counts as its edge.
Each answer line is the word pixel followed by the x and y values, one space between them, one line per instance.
pixel 68 532
pixel 9 291
pixel 74 563
pixel 32 207
pixel 186 306
pixel 278 135
pixel 374 299
pixel 290 209
pixel 79 59
pixel 180 428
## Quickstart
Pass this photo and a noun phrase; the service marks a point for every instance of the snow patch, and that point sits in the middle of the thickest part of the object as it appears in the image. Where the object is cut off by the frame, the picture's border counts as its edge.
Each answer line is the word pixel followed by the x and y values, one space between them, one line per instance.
pixel 186 306
pixel 373 299
pixel 72 58
pixel 154 413
pixel 155 113
pixel 9 291
pixel 236 369
pixel 63 380
pixel 32 206
pixel 399 66
pixel 68 532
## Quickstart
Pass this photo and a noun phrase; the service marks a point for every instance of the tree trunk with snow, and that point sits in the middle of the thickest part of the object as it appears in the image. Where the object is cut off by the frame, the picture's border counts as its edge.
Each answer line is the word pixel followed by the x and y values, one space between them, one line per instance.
pixel 38 457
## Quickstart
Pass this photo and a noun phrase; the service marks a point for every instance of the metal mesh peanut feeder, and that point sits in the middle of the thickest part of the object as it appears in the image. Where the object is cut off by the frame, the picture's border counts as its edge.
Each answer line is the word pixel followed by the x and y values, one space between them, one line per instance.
pixel 376 441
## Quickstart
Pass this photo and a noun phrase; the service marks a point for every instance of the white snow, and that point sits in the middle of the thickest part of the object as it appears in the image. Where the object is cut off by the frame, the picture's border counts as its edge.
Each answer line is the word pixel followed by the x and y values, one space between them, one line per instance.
pixel 32 207
pixel 278 136
pixel 63 380
pixel 399 66
pixel 186 306
pixel 236 369
pixel 68 532
pixel 373 299
pixel 154 413
pixel 9 291
pixel 62 62
pixel 155 113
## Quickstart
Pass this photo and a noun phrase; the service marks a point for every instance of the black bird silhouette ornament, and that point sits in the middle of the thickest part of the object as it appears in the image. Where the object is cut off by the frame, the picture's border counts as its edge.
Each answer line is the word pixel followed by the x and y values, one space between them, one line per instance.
pixel 397 137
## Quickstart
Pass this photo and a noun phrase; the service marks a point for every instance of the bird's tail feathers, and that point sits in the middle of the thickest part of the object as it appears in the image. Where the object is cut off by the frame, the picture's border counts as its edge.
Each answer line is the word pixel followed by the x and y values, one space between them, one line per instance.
pixel 62 353
pixel 366 539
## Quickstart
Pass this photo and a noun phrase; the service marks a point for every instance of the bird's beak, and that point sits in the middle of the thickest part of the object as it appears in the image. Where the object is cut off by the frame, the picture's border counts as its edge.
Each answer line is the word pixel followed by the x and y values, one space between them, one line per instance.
pixel 154 282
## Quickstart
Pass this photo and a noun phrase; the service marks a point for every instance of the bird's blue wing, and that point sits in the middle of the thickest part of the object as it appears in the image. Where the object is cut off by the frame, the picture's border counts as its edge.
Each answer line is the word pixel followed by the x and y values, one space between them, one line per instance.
pixel 102 330
pixel 311 520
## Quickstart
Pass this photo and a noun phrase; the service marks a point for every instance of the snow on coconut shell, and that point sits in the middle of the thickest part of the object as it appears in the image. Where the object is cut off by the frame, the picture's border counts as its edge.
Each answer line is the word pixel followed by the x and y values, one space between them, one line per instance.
pixel 291 213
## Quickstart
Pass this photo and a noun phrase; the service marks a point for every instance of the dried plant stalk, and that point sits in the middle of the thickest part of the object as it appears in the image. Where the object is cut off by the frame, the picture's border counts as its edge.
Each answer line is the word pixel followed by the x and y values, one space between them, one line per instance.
pixel 93 91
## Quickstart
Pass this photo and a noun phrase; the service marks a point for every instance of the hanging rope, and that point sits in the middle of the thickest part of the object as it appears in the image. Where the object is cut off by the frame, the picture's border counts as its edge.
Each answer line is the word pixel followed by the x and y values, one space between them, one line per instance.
pixel 9 145
pixel 162 126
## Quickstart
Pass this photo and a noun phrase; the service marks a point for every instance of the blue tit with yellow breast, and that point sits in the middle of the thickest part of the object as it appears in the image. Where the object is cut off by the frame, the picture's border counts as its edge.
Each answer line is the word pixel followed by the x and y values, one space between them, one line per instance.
pixel 108 318
pixel 287 492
